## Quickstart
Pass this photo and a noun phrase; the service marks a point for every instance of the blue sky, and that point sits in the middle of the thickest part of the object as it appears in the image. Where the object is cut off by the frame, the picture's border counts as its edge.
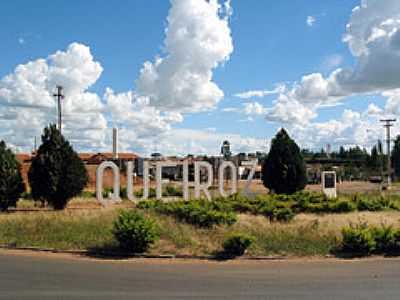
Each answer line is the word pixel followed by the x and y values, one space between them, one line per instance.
pixel 272 45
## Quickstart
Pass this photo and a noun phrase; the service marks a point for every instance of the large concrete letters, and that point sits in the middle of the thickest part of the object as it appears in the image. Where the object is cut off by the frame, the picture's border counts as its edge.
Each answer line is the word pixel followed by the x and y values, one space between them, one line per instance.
pixel 200 168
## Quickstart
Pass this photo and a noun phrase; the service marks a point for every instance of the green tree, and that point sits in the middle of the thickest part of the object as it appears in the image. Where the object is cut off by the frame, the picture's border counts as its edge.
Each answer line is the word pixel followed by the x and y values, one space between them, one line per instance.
pixel 396 157
pixel 57 173
pixel 11 183
pixel 284 170
pixel 373 161
pixel 342 152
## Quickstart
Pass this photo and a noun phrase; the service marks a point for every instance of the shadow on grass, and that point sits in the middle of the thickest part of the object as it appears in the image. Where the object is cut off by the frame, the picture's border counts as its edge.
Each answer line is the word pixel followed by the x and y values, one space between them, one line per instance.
pixel 225 256
pixel 111 252
pixel 346 254
pixel 117 253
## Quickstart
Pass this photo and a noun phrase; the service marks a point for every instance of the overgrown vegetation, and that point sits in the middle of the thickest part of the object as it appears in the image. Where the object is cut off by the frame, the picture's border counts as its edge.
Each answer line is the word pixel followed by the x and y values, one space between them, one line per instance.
pixel 11 183
pixel 280 208
pixel 201 213
pixel 275 207
pixel 168 191
pixel 57 173
pixel 94 230
pixel 306 235
pixel 362 239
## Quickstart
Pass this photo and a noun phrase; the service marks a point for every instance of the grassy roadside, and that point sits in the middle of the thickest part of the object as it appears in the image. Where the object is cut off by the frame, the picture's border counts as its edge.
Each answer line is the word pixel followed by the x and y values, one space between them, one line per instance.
pixel 306 235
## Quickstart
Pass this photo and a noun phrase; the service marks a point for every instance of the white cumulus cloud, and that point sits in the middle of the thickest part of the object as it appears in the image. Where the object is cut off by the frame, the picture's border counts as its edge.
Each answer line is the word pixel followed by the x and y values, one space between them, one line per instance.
pixel 198 39
pixel 373 37
pixel 310 21
pixel 27 103
pixel 280 88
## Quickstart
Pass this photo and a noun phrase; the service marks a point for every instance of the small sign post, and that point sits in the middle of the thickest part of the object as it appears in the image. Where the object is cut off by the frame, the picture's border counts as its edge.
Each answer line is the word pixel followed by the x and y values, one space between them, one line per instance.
pixel 329 184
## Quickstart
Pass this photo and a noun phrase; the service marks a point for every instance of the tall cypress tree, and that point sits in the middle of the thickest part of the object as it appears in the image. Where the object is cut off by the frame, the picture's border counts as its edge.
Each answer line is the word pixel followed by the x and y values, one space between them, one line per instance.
pixel 374 160
pixel 284 170
pixel 57 173
pixel 11 183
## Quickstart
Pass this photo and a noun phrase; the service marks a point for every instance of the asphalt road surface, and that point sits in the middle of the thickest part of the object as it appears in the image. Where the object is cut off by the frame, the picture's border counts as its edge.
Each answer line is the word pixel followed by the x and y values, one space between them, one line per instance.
pixel 62 277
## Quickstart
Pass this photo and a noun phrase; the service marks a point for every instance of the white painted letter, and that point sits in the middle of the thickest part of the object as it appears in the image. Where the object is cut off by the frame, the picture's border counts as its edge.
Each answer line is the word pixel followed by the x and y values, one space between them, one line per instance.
pixel 129 187
pixel 185 179
pixel 253 166
pixel 99 182
pixel 159 166
pixel 224 165
pixel 198 187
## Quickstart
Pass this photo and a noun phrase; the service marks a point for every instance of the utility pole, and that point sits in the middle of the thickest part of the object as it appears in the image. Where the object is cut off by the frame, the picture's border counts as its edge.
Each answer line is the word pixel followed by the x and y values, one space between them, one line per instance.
pixel 388 123
pixel 59 96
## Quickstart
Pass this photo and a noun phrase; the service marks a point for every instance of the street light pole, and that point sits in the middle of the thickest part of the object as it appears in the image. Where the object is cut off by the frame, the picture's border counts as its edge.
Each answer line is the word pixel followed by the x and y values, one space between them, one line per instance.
pixel 59 96
pixel 388 123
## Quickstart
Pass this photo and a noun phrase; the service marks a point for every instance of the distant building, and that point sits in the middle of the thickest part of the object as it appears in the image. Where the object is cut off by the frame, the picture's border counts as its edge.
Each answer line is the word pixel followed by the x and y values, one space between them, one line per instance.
pixel 226 150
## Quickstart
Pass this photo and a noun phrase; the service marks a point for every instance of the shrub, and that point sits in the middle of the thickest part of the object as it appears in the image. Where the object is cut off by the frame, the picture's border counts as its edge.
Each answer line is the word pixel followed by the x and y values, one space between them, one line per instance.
pixel 57 173
pixel 366 204
pixel 387 239
pixel 358 239
pixel 152 193
pixel 283 214
pixel 237 244
pixel 134 232
pixel 87 194
pixel 172 191
pixel 342 206
pixel 201 213
pixel 149 204
pixel 284 171
pixel 11 183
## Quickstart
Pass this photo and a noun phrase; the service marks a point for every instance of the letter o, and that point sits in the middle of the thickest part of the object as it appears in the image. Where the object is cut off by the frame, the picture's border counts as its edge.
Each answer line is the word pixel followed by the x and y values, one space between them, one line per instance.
pixel 224 165
pixel 99 182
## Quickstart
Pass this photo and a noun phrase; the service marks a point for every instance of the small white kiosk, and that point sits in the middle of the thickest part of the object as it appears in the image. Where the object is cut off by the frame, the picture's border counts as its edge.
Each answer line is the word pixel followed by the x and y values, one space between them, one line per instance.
pixel 329 184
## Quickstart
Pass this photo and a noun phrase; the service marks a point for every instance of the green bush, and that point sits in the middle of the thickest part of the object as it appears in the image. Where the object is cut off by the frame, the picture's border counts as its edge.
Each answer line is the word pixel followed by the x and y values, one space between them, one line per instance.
pixel 11 183
pixel 134 232
pixel 123 192
pixel 387 239
pixel 362 239
pixel 172 191
pixel 358 240
pixel 276 207
pixel 57 173
pixel 87 194
pixel 237 244
pixel 284 214
pixel 342 206
pixel 201 213
pixel 366 204
pixel 152 193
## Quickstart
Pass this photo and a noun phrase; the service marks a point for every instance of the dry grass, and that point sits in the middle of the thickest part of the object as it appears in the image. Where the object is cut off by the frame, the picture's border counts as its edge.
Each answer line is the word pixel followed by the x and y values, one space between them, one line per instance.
pixel 84 229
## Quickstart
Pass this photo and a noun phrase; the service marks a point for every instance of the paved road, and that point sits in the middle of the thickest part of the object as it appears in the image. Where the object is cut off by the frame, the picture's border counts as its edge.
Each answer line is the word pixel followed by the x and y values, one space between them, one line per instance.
pixel 54 277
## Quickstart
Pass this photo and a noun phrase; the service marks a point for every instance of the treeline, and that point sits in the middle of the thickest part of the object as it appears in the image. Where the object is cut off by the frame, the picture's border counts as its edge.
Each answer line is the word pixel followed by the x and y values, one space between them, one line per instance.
pixel 357 162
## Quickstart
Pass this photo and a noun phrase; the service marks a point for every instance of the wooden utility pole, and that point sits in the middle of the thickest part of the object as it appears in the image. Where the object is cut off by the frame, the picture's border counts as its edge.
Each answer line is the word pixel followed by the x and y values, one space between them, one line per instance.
pixel 388 123
pixel 59 96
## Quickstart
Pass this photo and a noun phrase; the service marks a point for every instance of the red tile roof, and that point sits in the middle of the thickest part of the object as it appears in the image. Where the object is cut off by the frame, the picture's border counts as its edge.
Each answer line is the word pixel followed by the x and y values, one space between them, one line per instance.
pixel 94 157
